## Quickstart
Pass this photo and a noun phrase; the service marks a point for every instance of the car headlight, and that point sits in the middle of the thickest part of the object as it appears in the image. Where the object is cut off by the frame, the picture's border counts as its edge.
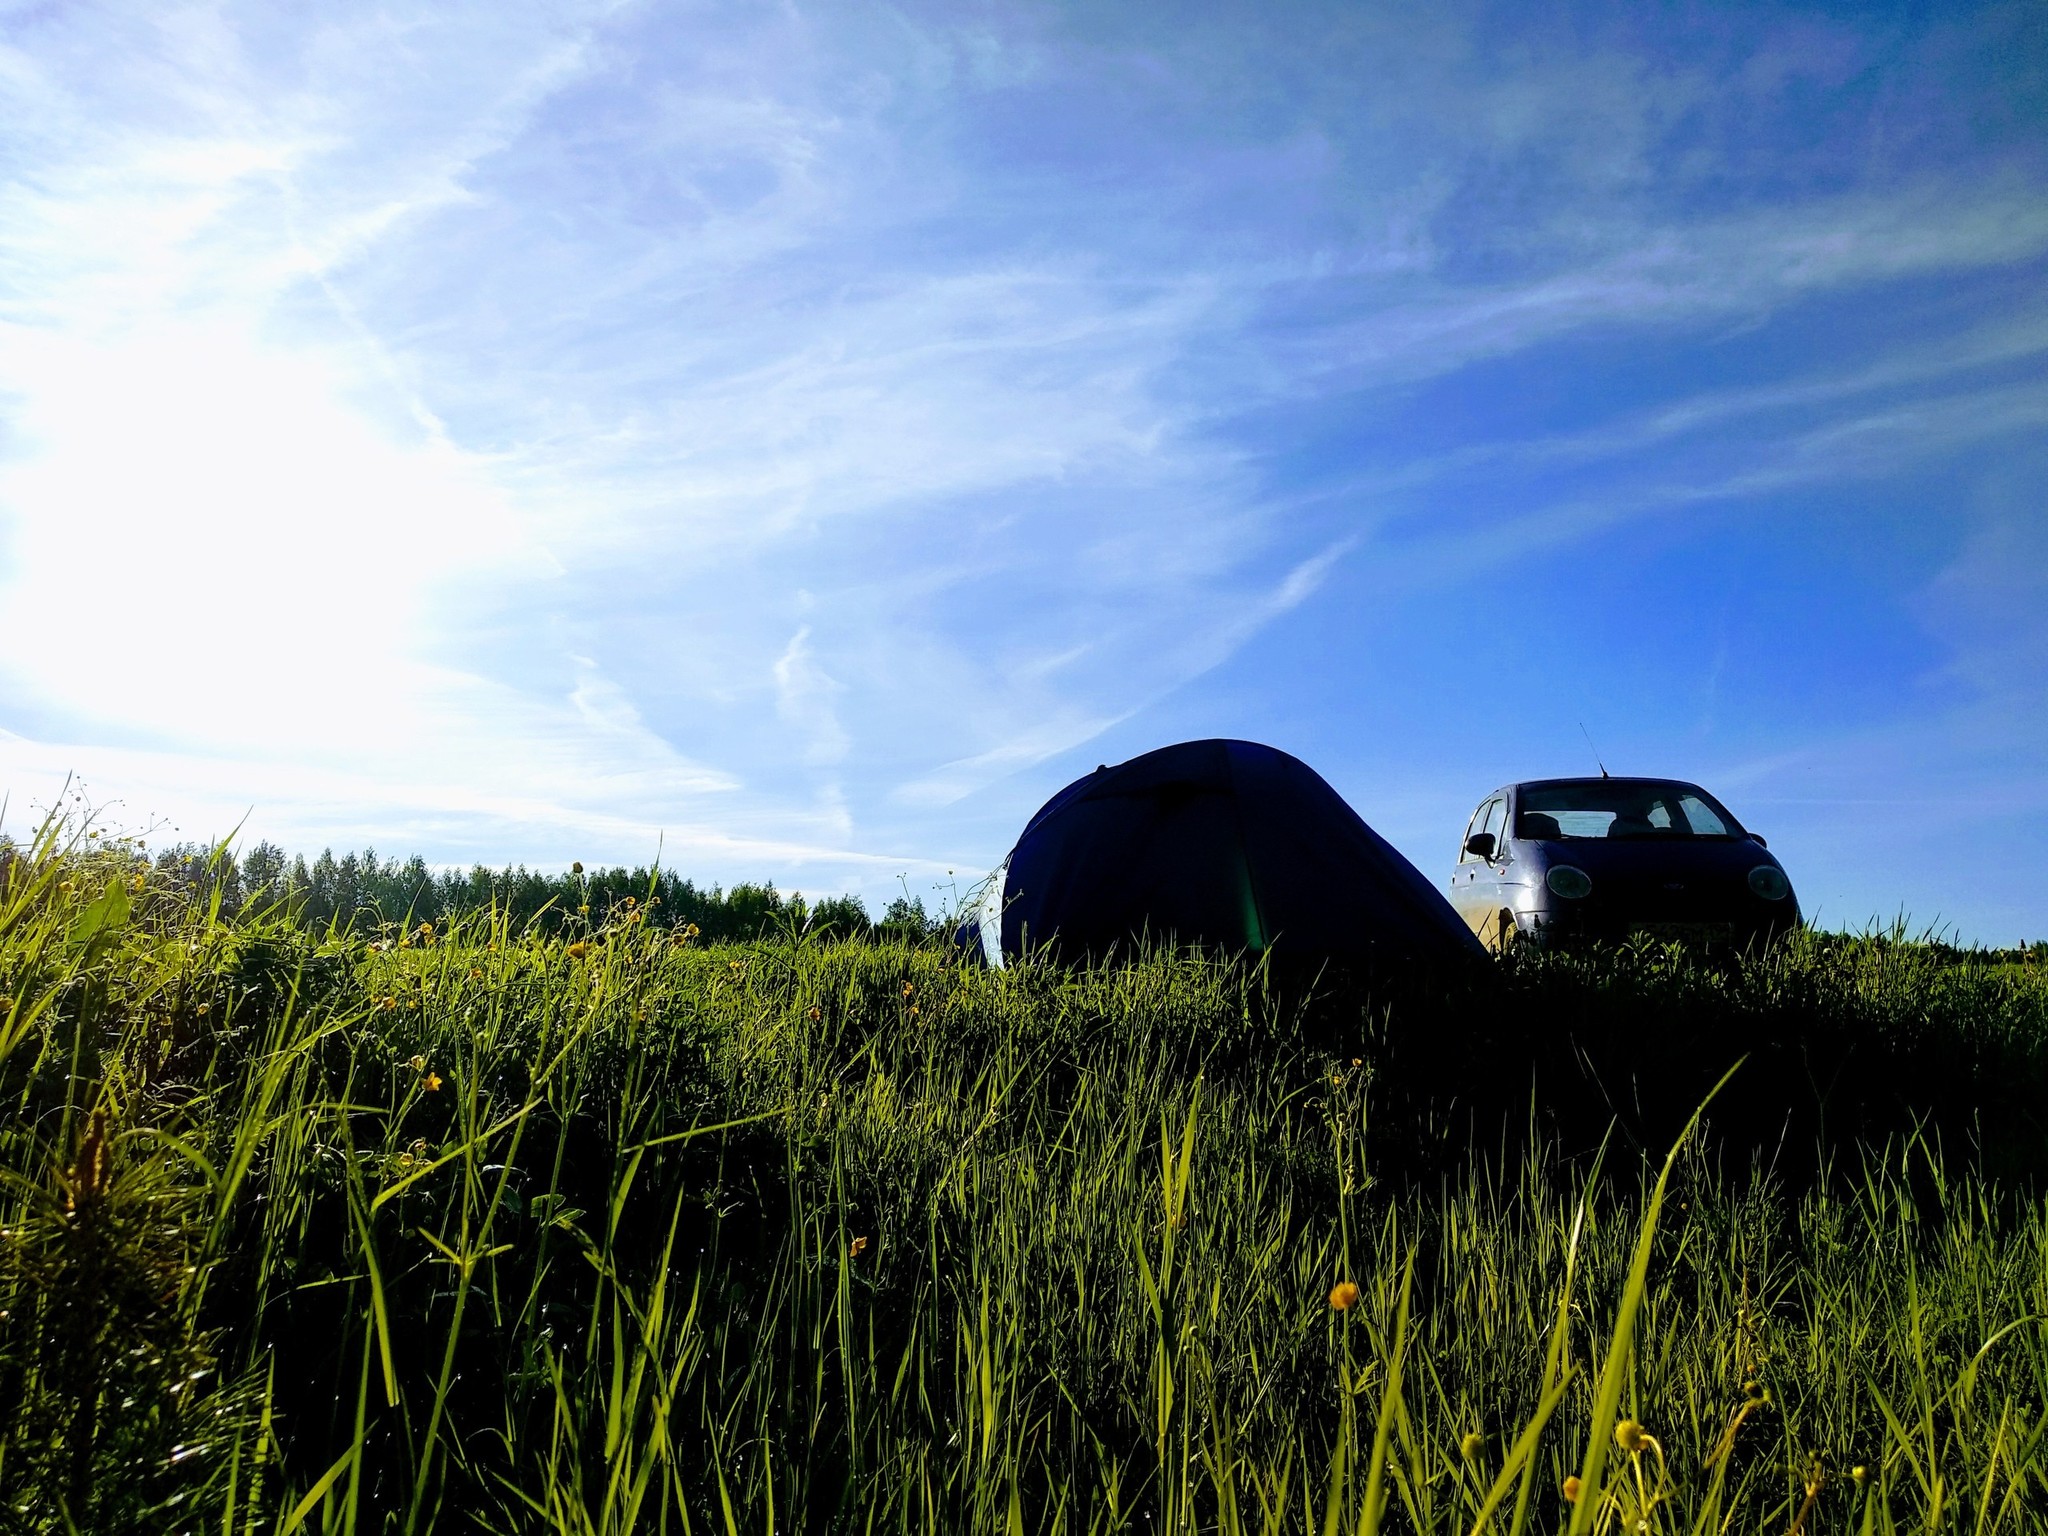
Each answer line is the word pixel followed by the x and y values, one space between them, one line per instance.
pixel 1769 882
pixel 1570 882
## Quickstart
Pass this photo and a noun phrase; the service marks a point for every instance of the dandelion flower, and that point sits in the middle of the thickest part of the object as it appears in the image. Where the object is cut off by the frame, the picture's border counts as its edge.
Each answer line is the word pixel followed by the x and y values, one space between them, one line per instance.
pixel 1628 1434
pixel 476 972
pixel 1343 1296
pixel 1471 1445
pixel 390 1003
pixel 1571 1489
pixel 578 950
pixel 858 1247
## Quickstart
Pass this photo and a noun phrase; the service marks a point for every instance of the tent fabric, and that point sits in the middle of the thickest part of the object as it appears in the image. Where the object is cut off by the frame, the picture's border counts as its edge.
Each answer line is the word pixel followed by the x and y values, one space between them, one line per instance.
pixel 1227 844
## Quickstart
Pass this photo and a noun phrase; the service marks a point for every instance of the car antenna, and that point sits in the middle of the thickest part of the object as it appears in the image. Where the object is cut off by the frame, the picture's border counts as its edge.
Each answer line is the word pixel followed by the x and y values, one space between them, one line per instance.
pixel 1595 750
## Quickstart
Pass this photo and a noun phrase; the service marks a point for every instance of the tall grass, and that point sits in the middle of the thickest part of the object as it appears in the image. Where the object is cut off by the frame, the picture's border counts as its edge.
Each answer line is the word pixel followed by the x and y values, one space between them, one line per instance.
pixel 604 1230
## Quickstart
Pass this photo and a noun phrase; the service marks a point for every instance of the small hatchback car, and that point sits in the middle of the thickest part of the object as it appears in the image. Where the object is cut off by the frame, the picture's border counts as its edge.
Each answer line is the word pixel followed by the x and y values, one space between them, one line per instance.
pixel 1560 859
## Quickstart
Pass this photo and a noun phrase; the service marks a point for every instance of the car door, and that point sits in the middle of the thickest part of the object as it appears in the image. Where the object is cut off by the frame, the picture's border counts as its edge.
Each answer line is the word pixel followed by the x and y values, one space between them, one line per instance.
pixel 1475 882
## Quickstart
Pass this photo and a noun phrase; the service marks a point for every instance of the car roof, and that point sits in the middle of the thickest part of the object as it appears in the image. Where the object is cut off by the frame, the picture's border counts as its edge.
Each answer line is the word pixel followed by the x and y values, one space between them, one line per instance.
pixel 1589 778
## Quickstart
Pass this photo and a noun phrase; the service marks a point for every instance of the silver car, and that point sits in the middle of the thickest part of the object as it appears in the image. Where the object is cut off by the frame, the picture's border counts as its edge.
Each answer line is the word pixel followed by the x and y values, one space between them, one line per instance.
pixel 1554 860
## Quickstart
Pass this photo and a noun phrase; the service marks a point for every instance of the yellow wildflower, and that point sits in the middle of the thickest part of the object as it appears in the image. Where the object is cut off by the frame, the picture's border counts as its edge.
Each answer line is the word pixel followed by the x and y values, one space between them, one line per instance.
pixel 1343 1296
pixel 859 1247
pixel 433 1082
pixel 578 950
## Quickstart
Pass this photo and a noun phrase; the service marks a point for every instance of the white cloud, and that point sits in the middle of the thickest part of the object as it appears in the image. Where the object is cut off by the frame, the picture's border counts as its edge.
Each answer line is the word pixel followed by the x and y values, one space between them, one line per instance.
pixel 804 694
pixel 434 420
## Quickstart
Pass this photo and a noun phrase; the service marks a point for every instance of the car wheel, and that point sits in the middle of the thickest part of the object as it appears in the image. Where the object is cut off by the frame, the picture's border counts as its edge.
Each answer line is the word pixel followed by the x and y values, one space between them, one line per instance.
pixel 1502 931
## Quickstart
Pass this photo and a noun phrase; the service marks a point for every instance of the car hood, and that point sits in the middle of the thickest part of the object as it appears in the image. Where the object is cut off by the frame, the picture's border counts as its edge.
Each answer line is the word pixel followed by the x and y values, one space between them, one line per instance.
pixel 1678 856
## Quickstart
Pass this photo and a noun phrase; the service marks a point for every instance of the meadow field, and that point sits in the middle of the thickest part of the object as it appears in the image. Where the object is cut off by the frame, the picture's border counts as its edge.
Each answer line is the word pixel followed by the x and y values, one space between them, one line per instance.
pixel 580 1218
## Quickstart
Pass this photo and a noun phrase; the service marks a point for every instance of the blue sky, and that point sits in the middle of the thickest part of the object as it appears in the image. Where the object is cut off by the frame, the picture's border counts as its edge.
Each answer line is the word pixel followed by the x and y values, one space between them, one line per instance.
pixel 801 438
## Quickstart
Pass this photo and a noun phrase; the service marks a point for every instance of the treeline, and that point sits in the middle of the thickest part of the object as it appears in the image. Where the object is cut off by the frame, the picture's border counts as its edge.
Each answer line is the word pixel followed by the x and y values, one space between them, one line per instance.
pixel 364 889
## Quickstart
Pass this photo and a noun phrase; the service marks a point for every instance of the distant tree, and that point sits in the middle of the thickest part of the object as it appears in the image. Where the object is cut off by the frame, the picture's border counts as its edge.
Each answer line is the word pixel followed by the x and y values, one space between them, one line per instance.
pixel 906 918
pixel 843 917
pixel 367 891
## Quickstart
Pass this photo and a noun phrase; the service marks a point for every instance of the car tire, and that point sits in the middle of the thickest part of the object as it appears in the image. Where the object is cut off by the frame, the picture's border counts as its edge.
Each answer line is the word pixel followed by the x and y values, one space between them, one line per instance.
pixel 1501 931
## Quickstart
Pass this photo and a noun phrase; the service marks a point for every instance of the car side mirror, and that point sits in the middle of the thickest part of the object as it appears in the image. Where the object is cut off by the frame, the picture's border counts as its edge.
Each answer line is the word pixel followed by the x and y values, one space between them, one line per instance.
pixel 1758 839
pixel 1480 845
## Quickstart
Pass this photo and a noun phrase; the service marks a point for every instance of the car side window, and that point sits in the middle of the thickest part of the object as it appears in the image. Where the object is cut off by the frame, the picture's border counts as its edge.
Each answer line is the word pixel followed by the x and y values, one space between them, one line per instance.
pixel 1701 817
pixel 1486 819
pixel 1476 824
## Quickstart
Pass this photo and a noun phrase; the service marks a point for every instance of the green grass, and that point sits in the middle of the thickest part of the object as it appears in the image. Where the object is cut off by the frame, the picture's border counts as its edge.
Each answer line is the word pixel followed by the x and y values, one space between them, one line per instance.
pixel 483 1231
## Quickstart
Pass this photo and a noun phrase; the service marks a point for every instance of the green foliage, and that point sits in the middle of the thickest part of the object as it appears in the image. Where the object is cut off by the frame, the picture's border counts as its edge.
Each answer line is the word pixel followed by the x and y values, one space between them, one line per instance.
pixel 589 1224
pixel 363 890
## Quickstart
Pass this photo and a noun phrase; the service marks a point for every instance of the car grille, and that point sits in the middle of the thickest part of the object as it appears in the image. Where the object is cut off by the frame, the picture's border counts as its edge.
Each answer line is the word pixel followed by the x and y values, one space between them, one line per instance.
pixel 1713 908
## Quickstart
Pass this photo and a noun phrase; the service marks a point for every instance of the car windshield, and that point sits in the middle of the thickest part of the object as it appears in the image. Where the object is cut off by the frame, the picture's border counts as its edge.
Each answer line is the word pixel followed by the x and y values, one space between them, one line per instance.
pixel 1618 808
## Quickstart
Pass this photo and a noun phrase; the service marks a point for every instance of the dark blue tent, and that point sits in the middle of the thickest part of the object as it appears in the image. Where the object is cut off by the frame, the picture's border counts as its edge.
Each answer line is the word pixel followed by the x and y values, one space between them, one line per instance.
pixel 1227 844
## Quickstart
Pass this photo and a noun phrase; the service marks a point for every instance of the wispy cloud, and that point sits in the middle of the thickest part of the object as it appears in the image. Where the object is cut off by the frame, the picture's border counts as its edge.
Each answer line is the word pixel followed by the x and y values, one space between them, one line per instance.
pixel 818 425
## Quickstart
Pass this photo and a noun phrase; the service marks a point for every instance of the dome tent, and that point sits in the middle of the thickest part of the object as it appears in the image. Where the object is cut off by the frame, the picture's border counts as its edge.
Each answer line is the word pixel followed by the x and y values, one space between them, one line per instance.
pixel 1223 843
